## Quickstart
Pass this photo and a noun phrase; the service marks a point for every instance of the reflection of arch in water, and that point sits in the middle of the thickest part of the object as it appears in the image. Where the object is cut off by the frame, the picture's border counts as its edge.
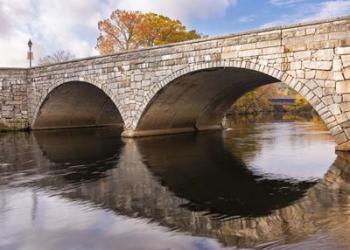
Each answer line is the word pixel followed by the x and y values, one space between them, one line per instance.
pixel 81 154
pixel 201 170
pixel 78 146
pixel 71 154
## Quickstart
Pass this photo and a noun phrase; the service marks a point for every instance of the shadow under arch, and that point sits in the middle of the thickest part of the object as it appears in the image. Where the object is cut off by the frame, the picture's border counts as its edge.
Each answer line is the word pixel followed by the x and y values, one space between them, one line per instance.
pixel 76 104
pixel 197 97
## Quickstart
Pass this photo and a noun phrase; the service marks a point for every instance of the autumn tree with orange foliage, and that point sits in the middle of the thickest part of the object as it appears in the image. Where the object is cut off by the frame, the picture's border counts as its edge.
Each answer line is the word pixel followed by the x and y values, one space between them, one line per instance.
pixel 126 30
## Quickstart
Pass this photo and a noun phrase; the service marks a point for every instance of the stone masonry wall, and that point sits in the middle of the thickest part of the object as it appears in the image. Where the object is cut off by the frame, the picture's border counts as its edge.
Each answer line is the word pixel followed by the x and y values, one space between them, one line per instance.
pixel 13 99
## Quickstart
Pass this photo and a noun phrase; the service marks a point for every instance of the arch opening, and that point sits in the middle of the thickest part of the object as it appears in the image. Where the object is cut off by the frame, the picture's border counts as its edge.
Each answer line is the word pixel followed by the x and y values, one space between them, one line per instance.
pixel 75 105
pixel 198 100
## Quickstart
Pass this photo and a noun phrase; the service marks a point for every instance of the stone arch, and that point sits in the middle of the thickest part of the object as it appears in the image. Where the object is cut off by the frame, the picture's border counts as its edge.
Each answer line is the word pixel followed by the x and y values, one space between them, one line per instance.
pixel 75 102
pixel 308 89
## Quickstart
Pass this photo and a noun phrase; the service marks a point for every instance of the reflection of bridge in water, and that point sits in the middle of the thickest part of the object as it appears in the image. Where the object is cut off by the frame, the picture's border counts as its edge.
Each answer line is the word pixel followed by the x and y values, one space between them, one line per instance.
pixel 139 186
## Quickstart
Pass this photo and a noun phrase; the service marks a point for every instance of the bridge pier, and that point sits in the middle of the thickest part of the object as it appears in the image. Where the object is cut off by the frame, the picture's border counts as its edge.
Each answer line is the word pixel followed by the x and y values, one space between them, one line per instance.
pixel 155 132
pixel 343 147
pixel 129 133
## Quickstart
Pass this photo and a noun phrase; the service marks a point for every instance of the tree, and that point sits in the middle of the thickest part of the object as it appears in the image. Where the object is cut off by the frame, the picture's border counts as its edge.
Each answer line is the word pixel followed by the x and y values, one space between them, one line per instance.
pixel 133 29
pixel 255 101
pixel 118 32
pixel 300 106
pixel 58 56
pixel 157 30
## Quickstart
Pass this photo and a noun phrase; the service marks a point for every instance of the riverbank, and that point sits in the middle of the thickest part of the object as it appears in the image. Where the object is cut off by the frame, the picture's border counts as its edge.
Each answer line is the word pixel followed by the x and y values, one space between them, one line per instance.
pixel 264 117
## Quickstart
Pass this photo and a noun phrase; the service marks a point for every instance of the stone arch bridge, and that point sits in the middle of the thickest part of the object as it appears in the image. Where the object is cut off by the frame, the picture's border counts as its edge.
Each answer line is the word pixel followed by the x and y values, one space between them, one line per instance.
pixel 186 86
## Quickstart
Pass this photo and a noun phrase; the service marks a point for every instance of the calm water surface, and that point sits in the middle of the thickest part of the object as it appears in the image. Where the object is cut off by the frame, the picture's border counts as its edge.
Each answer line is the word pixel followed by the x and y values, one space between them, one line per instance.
pixel 271 185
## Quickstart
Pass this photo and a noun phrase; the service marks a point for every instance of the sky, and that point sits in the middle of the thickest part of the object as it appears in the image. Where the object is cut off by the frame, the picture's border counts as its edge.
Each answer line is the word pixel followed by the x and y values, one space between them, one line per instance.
pixel 72 24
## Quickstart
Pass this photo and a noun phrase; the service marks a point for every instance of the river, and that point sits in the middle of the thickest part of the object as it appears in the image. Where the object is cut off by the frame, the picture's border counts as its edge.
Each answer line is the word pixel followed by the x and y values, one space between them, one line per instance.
pixel 255 185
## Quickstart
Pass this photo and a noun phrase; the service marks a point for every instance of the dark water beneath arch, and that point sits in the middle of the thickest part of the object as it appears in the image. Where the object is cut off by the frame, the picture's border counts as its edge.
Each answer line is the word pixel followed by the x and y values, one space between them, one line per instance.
pixel 267 185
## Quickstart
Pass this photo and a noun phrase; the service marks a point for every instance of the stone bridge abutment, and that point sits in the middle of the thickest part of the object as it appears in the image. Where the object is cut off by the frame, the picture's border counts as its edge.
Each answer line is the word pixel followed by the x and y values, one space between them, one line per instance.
pixel 186 86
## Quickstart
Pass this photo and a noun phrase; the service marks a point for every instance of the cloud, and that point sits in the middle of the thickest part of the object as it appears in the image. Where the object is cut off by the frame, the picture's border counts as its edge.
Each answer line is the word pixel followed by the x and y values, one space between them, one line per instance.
pixel 14 31
pixel 52 25
pixel 281 21
pixel 72 24
pixel 284 2
pixel 63 24
pixel 180 9
pixel 247 19
pixel 312 12
pixel 16 8
pixel 327 10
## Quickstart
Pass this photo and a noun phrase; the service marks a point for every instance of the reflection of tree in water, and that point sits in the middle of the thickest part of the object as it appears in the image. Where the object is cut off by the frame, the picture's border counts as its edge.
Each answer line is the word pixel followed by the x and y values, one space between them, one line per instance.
pixel 241 135
pixel 231 121
pixel 245 135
